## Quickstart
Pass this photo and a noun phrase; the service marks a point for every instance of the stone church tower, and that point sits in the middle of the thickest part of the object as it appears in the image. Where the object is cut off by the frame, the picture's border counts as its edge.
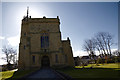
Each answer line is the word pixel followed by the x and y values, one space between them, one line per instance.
pixel 41 44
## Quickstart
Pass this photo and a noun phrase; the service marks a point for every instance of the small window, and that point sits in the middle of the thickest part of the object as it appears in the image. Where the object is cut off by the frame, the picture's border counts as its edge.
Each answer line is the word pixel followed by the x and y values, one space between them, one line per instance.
pixel 45 50
pixel 56 58
pixel 33 59
pixel 25 34
pixel 66 58
pixel 24 47
pixel 61 50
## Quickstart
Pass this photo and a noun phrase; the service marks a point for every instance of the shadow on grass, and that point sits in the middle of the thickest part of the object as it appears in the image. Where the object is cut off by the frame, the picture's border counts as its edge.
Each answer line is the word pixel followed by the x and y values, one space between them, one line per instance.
pixel 76 73
pixel 92 73
pixel 20 74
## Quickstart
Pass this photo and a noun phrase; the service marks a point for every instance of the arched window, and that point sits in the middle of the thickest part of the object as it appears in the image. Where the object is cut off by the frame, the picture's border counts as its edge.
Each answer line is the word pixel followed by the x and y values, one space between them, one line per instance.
pixel 44 42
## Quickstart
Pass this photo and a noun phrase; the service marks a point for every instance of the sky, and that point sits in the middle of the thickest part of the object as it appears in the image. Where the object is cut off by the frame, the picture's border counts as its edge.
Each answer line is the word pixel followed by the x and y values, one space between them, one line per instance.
pixel 78 20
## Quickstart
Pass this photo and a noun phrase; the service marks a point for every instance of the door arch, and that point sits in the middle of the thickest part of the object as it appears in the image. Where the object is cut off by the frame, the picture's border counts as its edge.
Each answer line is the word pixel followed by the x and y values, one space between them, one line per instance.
pixel 45 61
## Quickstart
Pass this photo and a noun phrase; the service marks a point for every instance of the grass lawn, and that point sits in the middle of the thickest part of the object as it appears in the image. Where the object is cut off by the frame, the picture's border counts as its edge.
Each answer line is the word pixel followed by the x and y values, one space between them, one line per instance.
pixel 15 74
pixel 111 65
pixel 6 74
pixel 102 71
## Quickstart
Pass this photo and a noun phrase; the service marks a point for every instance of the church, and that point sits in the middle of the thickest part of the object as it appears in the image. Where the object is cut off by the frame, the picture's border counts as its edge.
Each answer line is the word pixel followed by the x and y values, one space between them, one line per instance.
pixel 41 45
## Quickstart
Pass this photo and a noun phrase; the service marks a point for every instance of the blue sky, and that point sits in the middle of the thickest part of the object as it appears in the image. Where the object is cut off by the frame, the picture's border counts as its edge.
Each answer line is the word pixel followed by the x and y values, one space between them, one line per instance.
pixel 79 20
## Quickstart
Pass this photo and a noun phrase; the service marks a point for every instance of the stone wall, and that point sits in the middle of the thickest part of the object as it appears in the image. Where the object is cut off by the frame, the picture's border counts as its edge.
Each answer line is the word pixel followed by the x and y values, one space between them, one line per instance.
pixel 30 43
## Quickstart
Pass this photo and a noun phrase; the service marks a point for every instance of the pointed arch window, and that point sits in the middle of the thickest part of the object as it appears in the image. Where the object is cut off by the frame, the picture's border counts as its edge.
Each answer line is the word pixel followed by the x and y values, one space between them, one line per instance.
pixel 44 42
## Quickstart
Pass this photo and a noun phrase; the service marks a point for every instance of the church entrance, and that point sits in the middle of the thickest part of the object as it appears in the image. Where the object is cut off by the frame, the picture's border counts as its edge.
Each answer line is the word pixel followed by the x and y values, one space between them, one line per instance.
pixel 45 62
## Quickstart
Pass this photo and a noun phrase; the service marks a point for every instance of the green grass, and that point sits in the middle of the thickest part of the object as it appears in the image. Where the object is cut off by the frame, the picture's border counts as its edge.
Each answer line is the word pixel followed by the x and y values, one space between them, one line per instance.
pixel 6 74
pixel 91 73
pixel 15 74
pixel 111 65
pixel 102 71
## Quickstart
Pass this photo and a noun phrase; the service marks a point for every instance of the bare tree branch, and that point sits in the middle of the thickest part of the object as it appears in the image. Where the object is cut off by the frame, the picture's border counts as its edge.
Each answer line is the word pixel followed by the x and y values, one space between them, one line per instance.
pixel 10 54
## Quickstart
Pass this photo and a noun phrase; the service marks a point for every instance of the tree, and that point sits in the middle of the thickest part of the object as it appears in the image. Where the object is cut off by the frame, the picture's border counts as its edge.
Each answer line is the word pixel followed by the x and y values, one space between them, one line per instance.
pixel 89 46
pixel 10 55
pixel 101 42
pixel 104 41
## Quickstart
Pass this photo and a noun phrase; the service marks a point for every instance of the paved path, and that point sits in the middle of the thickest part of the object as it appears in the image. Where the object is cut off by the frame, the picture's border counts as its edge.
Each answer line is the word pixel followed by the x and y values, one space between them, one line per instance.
pixel 45 74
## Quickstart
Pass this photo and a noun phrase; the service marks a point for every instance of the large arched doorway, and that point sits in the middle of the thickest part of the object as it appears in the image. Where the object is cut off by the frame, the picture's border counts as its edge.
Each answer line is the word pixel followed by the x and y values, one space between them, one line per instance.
pixel 45 62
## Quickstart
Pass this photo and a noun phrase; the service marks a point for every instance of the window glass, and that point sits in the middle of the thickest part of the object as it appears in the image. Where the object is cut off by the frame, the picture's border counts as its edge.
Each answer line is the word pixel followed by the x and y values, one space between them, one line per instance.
pixel 56 57
pixel 44 42
pixel 33 59
pixel 25 34
pixel 24 47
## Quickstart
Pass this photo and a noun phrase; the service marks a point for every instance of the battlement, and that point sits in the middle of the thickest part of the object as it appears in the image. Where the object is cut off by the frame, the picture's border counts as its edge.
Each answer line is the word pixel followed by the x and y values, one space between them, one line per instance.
pixel 40 20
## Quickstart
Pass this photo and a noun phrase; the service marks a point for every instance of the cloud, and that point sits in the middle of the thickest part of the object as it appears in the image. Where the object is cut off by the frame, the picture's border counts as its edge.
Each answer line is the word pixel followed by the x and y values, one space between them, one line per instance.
pixel 80 53
pixel 84 53
pixel 112 50
pixel 14 41
pixel 1 60
pixel 2 37
pixel 0 50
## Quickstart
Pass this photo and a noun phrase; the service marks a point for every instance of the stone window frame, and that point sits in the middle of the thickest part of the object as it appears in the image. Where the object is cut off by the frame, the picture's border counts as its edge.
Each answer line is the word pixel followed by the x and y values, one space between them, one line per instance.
pixel 44 39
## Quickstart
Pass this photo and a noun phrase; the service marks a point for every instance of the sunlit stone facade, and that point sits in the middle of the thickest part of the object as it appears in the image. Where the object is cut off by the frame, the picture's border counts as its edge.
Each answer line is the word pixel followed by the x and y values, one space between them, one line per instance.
pixel 41 44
